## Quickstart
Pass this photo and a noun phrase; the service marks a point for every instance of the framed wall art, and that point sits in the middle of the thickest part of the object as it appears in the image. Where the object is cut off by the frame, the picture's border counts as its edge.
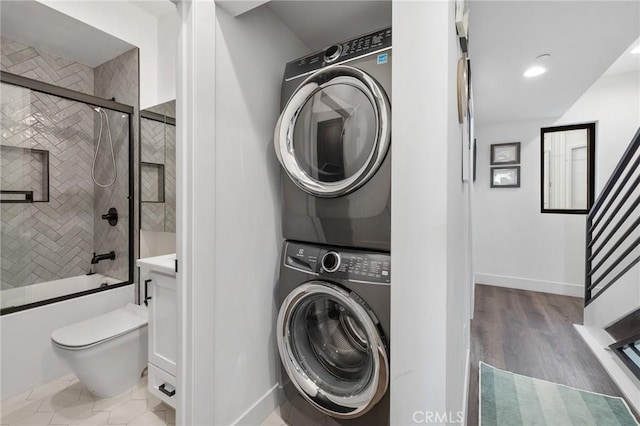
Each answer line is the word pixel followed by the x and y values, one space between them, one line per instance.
pixel 505 153
pixel 505 177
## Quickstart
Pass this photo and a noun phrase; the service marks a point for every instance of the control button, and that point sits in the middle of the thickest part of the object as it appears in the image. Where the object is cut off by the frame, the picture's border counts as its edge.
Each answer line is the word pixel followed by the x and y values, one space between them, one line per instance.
pixel 332 53
pixel 331 261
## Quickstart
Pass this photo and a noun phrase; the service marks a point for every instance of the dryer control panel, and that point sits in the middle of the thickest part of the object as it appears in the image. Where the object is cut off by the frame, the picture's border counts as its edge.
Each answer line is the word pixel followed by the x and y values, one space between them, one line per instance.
pixel 339 263
pixel 367 44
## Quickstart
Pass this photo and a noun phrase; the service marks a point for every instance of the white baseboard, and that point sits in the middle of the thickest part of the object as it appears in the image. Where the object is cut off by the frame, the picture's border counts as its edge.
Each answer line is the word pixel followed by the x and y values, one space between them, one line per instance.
pixel 564 289
pixel 598 341
pixel 261 409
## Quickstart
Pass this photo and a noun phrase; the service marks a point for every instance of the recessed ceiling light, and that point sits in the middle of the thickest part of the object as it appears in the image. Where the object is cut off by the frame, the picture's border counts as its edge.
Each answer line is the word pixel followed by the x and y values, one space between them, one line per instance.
pixel 636 50
pixel 538 67
pixel 535 71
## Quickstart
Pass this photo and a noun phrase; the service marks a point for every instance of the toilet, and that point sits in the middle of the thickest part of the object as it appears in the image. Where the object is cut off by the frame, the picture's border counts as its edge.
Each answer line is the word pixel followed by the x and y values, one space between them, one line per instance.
pixel 107 353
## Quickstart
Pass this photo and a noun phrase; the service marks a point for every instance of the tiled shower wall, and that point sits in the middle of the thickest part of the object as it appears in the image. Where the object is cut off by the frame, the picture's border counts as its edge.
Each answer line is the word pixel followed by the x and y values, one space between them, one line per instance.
pixel 119 79
pixel 170 171
pixel 52 240
pixel 46 241
pixel 158 144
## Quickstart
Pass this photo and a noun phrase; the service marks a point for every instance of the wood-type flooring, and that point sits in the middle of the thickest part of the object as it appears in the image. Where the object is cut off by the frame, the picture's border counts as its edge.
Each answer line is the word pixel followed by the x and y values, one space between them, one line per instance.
pixel 532 333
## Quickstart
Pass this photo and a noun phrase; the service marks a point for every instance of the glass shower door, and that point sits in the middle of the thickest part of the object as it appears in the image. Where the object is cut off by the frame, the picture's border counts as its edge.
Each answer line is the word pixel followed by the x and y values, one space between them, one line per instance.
pixel 21 181
pixel 64 165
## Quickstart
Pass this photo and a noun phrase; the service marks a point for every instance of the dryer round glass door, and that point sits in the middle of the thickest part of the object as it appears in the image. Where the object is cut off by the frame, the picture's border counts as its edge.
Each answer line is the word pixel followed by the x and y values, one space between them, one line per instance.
pixel 334 132
pixel 332 349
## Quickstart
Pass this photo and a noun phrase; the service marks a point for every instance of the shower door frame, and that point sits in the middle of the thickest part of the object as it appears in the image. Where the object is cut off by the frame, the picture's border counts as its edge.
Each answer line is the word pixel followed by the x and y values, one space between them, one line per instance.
pixel 73 95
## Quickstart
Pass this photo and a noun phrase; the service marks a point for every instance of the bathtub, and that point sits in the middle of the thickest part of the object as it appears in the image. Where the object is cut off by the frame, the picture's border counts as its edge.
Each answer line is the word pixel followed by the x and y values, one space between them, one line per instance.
pixel 25 348
pixel 26 295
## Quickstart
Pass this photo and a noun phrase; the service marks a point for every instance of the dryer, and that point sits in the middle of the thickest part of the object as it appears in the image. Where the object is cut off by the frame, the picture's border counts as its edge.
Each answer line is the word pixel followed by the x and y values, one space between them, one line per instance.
pixel 333 331
pixel 333 141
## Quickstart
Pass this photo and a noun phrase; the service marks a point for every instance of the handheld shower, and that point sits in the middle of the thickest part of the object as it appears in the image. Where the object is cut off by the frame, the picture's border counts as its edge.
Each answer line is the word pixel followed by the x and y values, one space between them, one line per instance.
pixel 102 112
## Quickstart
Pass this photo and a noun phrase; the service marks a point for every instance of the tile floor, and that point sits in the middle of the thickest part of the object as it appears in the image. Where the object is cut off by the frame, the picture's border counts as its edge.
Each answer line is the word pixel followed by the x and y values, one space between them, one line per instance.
pixel 67 402
pixel 289 415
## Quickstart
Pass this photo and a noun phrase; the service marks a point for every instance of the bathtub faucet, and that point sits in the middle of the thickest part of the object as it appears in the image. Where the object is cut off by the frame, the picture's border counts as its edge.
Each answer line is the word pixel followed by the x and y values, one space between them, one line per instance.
pixel 98 257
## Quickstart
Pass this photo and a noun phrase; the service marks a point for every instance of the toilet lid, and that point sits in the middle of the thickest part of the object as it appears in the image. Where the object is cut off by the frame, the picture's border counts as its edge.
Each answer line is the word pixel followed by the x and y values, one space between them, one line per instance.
pixel 102 327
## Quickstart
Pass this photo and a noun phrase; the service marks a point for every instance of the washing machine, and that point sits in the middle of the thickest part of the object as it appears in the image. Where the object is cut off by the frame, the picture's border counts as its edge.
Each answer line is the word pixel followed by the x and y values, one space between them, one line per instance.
pixel 333 332
pixel 333 141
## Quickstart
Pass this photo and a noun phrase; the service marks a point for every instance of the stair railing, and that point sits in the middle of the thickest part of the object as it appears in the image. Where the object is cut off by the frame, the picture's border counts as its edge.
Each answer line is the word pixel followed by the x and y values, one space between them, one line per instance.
pixel 615 208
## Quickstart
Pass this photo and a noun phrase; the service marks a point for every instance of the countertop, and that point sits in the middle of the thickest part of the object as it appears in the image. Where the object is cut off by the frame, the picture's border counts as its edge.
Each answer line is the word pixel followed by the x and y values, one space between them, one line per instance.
pixel 165 263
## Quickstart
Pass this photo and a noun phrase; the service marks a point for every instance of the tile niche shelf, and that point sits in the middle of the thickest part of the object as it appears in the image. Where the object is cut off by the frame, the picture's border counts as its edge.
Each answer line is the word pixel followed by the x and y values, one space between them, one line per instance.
pixel 24 175
pixel 152 180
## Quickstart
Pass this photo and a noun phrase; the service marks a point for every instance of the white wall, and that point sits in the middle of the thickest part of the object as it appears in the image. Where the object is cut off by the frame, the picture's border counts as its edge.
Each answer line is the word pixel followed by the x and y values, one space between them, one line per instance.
pixel 168 27
pixel 248 211
pixel 459 244
pixel 429 242
pixel 195 210
pixel 25 347
pixel 516 245
pixel 229 216
pixel 133 25
pixel 619 300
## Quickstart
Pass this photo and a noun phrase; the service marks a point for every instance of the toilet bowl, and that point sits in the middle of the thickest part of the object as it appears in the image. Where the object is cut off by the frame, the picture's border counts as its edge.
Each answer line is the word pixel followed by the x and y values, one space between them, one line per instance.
pixel 107 353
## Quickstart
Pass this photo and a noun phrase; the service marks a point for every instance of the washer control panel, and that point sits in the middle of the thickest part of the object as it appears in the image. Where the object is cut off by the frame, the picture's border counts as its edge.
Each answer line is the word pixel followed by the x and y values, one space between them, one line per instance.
pixel 340 52
pixel 338 263
pixel 332 53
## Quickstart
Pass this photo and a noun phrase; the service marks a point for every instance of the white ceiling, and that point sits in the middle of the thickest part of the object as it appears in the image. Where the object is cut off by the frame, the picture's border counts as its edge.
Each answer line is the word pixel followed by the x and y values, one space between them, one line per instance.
pixel 627 62
pixel 39 26
pixel 583 37
pixel 157 8
pixel 321 23
pixel 237 8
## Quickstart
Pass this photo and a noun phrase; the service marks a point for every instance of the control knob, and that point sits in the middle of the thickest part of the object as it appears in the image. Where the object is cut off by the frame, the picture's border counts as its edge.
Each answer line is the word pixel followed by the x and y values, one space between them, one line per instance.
pixel 332 53
pixel 331 261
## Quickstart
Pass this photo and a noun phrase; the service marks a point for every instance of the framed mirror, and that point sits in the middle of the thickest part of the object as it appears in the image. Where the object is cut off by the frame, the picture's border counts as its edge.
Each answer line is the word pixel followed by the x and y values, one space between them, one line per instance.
pixel 567 161
pixel 158 168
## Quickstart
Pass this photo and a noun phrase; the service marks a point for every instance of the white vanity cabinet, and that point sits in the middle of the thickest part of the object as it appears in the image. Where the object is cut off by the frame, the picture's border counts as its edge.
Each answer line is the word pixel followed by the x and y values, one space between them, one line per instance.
pixel 158 292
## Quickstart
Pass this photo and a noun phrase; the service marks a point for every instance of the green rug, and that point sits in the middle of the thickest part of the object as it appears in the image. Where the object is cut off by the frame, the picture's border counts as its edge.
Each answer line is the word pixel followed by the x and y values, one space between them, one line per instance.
pixel 511 399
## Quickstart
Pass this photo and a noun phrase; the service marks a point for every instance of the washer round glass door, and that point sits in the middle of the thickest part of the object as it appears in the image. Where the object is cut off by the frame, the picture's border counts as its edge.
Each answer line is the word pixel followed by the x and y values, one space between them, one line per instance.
pixel 334 132
pixel 332 350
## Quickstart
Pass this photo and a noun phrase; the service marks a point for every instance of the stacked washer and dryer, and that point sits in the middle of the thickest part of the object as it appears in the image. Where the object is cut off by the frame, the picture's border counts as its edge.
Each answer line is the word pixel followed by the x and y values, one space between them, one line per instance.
pixel 333 142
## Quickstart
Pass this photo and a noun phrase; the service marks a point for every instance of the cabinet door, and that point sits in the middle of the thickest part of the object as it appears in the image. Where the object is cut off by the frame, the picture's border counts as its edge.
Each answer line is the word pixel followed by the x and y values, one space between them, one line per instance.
pixel 163 318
